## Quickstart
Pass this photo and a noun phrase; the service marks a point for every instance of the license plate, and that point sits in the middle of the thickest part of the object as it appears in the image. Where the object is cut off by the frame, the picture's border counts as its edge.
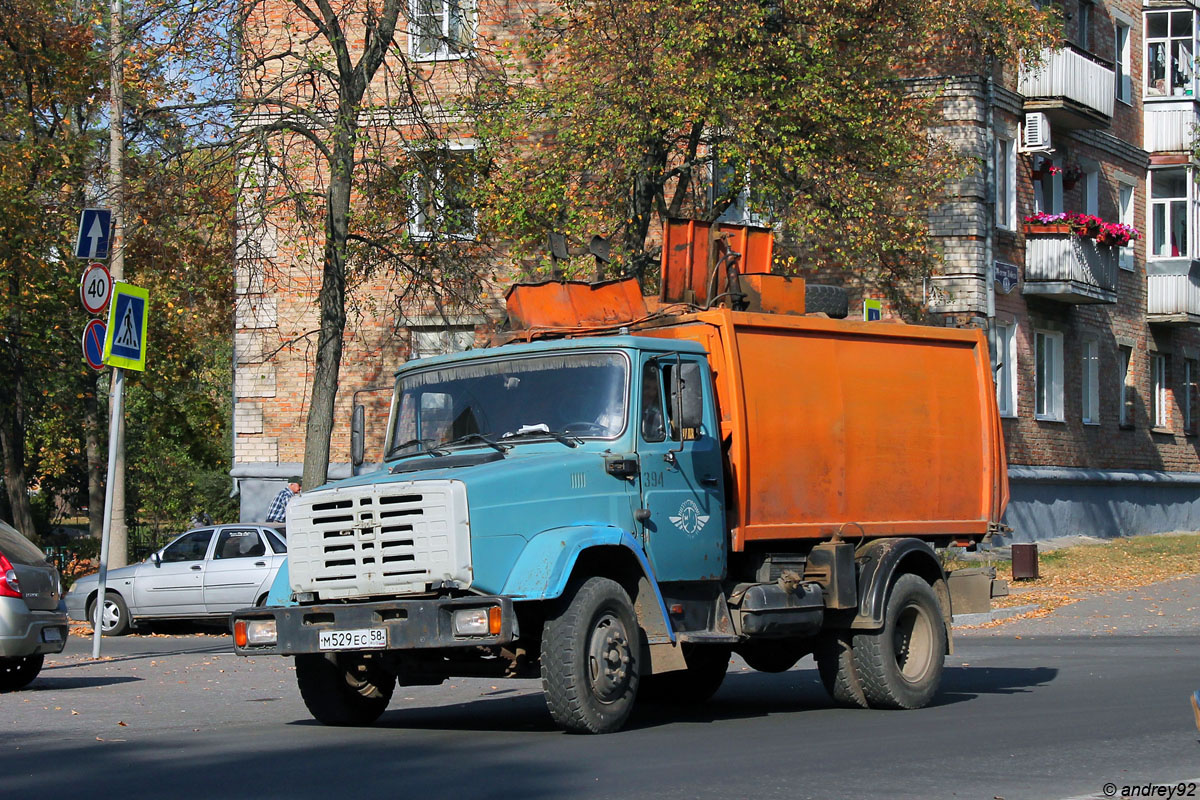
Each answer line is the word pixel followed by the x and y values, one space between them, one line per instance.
pixel 361 639
pixel 51 635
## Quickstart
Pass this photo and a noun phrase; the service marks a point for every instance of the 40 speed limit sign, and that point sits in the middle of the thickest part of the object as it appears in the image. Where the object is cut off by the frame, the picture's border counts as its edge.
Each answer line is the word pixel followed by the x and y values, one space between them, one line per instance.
pixel 95 288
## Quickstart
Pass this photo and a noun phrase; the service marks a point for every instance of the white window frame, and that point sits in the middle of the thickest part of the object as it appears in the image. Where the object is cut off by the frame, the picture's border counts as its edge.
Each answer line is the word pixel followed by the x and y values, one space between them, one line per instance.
pixel 1090 382
pixel 1124 368
pixel 1122 39
pixel 1006 369
pixel 1160 390
pixel 1006 183
pixel 446 48
pixel 1126 214
pixel 437 340
pixel 1174 47
pixel 418 218
pixel 1161 210
pixel 1048 375
pixel 1189 395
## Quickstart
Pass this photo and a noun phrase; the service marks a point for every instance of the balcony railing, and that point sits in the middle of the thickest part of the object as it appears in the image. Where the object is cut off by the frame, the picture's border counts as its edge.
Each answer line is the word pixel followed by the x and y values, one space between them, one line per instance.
pixel 1171 126
pixel 1075 89
pixel 1173 292
pixel 1070 268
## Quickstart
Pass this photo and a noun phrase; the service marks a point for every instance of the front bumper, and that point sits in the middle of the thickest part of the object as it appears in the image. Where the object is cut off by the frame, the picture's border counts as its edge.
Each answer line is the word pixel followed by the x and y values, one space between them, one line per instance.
pixel 26 633
pixel 410 624
pixel 77 604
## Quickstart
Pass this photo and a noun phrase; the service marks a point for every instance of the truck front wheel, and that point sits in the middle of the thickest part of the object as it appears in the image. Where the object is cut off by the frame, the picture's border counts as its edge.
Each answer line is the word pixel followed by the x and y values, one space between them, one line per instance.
pixel 900 665
pixel 343 690
pixel 589 657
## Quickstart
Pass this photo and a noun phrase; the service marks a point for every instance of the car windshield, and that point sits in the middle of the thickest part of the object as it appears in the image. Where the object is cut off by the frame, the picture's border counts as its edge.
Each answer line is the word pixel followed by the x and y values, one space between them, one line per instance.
pixel 577 394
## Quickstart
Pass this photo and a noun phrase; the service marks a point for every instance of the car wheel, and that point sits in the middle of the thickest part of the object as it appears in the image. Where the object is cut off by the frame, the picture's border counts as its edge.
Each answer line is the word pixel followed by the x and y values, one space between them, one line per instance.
pixel 116 621
pixel 343 690
pixel 590 653
pixel 706 668
pixel 900 665
pixel 17 673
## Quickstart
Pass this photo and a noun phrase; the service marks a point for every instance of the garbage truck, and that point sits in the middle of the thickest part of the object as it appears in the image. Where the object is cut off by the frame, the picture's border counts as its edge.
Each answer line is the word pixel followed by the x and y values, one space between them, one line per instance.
pixel 626 492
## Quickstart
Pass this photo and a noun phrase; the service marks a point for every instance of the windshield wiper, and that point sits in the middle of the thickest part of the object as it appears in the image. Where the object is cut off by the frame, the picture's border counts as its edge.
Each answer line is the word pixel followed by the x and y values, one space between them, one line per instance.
pixel 541 429
pixel 420 443
pixel 478 437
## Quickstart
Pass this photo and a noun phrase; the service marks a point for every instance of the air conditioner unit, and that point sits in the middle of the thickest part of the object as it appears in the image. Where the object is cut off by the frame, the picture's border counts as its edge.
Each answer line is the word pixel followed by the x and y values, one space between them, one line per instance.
pixel 1035 135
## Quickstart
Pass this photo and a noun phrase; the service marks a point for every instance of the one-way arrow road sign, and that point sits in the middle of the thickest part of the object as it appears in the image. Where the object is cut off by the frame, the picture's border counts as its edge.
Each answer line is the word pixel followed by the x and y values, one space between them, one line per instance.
pixel 95 224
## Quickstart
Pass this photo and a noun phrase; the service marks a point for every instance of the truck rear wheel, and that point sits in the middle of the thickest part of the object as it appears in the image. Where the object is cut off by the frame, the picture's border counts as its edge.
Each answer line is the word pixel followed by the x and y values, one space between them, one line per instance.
pixel 706 668
pixel 343 690
pixel 900 665
pixel 835 663
pixel 590 648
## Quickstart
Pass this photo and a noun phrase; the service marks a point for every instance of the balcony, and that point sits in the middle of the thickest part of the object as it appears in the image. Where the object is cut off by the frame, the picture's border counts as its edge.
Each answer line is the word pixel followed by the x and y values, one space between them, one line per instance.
pixel 1073 88
pixel 1069 268
pixel 1171 125
pixel 1173 291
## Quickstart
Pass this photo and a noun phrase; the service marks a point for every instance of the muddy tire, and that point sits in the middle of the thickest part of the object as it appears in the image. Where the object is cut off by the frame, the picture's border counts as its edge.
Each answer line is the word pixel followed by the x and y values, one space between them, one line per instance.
pixel 835 664
pixel 343 690
pixel 589 658
pixel 116 620
pixel 823 298
pixel 706 668
pixel 17 673
pixel 772 656
pixel 900 665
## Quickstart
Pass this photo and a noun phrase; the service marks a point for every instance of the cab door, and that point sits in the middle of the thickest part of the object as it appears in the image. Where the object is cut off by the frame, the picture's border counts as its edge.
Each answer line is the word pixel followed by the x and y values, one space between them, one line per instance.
pixel 681 470
pixel 240 564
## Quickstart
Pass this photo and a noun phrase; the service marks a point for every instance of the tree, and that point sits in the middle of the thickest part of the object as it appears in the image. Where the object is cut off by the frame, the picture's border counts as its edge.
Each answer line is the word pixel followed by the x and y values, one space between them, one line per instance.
pixel 609 116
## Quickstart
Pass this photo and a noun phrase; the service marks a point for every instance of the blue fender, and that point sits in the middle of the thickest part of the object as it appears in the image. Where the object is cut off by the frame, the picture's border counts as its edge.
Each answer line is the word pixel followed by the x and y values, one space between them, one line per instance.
pixel 281 588
pixel 545 565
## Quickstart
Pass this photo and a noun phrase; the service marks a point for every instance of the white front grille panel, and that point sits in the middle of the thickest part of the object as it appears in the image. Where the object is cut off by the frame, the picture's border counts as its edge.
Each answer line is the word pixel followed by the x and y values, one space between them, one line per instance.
pixel 387 539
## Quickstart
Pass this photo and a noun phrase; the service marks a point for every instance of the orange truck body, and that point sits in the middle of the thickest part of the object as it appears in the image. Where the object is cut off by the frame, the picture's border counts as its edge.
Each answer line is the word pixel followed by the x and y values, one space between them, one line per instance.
pixel 866 429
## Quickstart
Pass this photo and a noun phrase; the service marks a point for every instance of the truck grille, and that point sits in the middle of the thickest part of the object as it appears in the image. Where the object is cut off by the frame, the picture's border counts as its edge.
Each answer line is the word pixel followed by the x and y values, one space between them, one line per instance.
pixel 395 538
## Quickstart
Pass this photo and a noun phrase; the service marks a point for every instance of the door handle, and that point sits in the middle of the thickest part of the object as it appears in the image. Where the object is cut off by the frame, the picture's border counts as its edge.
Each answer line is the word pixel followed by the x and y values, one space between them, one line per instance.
pixel 260 563
pixel 197 568
pixel 709 480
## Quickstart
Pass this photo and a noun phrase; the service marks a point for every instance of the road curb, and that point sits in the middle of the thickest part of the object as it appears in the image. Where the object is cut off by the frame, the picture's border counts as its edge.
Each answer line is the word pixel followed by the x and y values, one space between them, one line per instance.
pixel 994 615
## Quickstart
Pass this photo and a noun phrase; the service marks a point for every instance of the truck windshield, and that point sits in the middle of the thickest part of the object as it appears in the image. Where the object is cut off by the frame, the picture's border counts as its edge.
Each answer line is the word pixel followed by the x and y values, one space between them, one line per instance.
pixel 581 395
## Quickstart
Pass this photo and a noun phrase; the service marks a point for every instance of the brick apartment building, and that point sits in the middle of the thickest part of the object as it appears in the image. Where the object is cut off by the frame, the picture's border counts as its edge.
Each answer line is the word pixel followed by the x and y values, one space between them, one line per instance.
pixel 1096 347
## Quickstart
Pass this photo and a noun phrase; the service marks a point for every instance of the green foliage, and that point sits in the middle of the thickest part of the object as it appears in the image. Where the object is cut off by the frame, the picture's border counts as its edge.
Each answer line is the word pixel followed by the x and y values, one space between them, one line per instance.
pixel 607 118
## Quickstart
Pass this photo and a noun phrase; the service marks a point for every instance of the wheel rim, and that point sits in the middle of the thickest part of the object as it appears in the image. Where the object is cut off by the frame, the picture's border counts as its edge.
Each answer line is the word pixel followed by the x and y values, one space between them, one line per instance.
pixel 111 616
pixel 609 658
pixel 913 643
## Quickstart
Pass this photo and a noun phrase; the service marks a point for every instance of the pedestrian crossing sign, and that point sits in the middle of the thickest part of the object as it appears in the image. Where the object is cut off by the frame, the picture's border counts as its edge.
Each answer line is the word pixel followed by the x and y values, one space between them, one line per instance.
pixel 125 344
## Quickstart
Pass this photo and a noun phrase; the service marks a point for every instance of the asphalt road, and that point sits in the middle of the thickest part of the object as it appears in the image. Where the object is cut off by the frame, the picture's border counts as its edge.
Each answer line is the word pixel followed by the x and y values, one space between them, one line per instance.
pixel 1051 708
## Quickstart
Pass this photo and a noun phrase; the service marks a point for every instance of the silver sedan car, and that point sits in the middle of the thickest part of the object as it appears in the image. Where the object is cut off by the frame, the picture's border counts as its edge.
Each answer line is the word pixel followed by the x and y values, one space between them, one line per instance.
pixel 204 574
pixel 33 621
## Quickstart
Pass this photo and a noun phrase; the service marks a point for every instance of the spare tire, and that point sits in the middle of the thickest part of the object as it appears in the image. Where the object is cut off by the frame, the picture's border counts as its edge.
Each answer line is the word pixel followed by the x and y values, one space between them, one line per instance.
pixel 831 300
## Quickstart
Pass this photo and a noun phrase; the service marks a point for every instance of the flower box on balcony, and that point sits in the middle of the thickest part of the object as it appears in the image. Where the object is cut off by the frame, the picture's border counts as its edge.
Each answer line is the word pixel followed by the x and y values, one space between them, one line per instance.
pixel 1036 228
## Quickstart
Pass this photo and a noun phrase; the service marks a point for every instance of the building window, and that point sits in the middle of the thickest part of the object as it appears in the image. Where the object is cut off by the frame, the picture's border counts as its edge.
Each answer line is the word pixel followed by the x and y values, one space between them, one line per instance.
pixel 1162 409
pixel 1084 33
pixel 1006 369
pixel 1048 375
pixel 441 28
pixel 1124 394
pixel 1189 395
pixel 1048 189
pixel 438 341
pixel 1168 213
pixel 1090 191
pixel 1169 53
pixel 1006 183
pixel 1126 214
pixel 441 206
pixel 1123 63
pixel 1090 382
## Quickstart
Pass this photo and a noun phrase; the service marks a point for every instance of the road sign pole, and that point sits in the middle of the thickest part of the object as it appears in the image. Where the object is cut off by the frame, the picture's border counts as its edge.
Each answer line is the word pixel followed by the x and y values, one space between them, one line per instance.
pixel 116 395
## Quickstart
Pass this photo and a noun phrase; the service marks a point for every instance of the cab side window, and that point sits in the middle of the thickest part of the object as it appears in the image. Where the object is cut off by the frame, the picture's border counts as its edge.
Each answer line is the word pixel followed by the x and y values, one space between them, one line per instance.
pixel 239 544
pixel 653 425
pixel 191 547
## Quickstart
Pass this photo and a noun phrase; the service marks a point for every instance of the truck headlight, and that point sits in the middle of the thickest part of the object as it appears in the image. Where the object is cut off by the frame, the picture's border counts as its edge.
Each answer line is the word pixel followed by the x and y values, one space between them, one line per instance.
pixel 254 632
pixel 477 621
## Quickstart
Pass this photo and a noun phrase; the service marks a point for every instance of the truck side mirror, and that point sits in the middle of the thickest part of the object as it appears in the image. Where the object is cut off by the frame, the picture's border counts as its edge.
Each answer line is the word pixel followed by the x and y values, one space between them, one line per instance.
pixel 358 423
pixel 688 394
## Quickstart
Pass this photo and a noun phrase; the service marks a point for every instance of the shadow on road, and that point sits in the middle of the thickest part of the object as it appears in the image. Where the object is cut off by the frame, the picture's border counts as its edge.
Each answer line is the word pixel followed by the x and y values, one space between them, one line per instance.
pixel 52 684
pixel 966 683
